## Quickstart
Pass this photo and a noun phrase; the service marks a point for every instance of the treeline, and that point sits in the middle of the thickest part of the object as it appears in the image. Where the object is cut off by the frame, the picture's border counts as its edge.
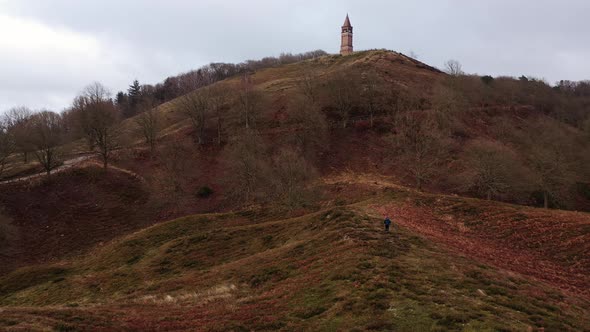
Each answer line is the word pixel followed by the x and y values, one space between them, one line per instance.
pixel 179 85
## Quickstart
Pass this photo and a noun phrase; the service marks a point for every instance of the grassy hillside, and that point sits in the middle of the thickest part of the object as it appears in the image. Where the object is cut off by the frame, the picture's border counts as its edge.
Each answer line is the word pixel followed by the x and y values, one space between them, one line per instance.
pixel 331 270
pixel 140 247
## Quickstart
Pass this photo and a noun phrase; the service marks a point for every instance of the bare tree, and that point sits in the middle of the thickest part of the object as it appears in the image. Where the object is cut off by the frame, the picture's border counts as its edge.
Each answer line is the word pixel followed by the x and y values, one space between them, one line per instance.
pixel 292 174
pixel 343 92
pixel 18 121
pixel 447 101
pixel 586 127
pixel 7 144
pixel 454 68
pixel 550 156
pixel 552 172
pixel 176 166
pixel 492 169
pixel 96 93
pixel 402 101
pixel 246 158
pixel 106 138
pixel 248 101
pixel 308 85
pixel 148 123
pixel 420 144
pixel 218 97
pixel 311 134
pixel 98 117
pixel 47 136
pixel 371 93
pixel 196 106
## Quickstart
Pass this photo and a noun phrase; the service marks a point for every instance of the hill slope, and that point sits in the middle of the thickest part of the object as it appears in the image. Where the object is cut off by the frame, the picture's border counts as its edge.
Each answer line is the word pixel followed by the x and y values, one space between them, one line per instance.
pixel 330 270
pixel 78 255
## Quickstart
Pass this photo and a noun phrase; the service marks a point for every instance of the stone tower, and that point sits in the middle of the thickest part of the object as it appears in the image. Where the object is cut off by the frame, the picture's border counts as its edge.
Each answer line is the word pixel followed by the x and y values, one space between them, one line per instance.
pixel 346 47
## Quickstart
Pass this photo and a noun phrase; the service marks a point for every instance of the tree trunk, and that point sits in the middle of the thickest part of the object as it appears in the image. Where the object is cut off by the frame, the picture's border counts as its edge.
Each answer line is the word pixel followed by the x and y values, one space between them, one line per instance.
pixel 218 132
pixel 489 195
pixel 545 200
pixel 200 136
pixel 26 157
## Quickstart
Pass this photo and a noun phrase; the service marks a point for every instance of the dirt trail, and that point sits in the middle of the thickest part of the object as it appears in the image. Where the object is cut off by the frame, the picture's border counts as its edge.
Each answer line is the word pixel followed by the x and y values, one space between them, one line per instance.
pixel 66 165
pixel 80 161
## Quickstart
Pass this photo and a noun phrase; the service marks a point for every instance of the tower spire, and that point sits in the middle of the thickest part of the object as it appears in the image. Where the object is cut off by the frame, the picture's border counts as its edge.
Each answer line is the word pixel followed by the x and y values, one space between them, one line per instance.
pixel 347 22
pixel 346 46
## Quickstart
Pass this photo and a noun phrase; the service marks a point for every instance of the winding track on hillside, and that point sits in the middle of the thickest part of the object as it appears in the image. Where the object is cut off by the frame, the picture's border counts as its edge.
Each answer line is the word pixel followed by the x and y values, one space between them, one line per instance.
pixel 66 165
pixel 79 161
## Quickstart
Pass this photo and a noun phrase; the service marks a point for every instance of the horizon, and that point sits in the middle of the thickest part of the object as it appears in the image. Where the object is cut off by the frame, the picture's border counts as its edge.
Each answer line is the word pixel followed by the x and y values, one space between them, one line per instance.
pixel 60 47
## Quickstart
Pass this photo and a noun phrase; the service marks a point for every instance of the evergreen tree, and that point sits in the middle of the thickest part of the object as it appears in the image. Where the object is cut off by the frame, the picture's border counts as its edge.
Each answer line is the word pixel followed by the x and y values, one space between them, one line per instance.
pixel 134 96
pixel 122 100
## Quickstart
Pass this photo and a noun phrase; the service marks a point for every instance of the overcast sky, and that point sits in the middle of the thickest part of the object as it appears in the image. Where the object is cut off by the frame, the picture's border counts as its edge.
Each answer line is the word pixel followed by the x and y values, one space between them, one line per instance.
pixel 51 49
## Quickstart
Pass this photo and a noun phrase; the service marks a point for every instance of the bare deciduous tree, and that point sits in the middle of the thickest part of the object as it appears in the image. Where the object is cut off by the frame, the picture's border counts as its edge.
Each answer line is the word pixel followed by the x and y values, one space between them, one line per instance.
pixel 371 93
pixel 18 121
pixel 47 136
pixel 176 166
pixel 148 123
pixel 586 127
pixel 248 101
pixel 308 85
pixel 98 117
pixel 196 106
pixel 292 174
pixel 454 68
pixel 248 168
pixel 219 97
pixel 421 145
pixel 7 144
pixel 492 169
pixel 447 100
pixel 549 154
pixel 343 89
pixel 311 135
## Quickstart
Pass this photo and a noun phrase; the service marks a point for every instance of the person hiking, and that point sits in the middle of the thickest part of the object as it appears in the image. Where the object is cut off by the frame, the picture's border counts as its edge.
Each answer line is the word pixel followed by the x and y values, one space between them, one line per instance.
pixel 387 223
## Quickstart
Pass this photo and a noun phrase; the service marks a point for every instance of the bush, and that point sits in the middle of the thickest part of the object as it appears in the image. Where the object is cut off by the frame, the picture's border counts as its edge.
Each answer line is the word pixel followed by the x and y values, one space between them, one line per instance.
pixel 487 79
pixel 584 190
pixel 204 192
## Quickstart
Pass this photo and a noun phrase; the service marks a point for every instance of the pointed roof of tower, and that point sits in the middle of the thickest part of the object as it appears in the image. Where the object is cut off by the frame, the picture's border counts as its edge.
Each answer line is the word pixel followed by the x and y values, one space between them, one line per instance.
pixel 347 23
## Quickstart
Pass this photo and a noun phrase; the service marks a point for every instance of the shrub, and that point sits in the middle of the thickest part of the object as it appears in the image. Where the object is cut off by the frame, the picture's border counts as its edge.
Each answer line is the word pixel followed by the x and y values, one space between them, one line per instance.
pixel 487 79
pixel 204 192
pixel 584 190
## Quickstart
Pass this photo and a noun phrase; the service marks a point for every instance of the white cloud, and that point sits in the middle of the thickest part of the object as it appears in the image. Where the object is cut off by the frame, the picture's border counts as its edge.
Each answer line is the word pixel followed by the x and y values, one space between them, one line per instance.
pixel 44 66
